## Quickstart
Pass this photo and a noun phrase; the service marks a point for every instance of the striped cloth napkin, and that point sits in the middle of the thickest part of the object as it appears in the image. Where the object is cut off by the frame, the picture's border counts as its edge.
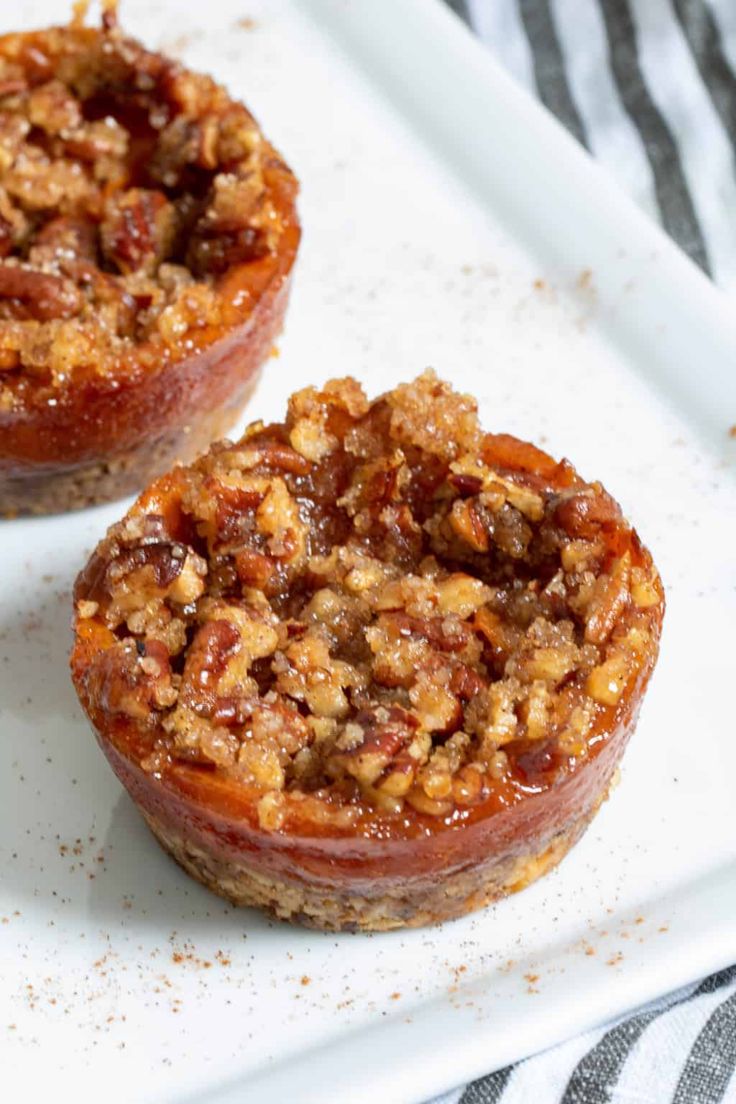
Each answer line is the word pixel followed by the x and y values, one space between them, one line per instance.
pixel 649 88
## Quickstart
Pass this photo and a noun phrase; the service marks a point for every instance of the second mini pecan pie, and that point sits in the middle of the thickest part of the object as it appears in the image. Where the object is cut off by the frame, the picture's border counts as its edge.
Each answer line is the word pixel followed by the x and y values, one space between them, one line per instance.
pixel 370 667
pixel 147 234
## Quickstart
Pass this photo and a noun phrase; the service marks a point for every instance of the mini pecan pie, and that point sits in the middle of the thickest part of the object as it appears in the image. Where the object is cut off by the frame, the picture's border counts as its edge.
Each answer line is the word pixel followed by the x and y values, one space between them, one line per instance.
pixel 147 233
pixel 372 667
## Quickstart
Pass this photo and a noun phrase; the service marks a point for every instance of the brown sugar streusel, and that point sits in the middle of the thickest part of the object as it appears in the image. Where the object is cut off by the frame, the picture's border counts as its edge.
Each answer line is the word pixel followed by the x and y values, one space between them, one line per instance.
pixel 374 618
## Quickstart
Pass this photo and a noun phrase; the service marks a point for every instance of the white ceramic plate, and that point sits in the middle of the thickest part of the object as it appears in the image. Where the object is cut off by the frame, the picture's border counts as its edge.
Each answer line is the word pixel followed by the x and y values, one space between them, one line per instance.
pixel 448 221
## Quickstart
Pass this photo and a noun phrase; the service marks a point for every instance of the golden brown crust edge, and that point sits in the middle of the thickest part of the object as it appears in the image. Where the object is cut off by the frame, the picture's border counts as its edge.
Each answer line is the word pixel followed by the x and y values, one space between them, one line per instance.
pixel 339 908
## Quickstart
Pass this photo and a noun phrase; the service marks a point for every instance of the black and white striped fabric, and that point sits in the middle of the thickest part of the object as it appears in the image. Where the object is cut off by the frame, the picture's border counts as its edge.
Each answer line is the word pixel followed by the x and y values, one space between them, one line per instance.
pixel 649 88
pixel 681 1049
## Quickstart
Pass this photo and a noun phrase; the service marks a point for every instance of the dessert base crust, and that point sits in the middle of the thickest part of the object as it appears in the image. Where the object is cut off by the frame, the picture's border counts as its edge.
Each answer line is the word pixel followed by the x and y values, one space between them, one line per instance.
pixel 412 903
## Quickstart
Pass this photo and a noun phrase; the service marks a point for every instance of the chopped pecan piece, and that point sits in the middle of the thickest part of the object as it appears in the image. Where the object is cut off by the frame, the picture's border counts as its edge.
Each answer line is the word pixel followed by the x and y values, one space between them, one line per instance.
pixel 138 229
pixel 61 240
pixel 585 512
pixel 213 646
pixel 608 601
pixel 380 735
pixel 229 233
pixel 133 678
pixel 53 108
pixel 30 294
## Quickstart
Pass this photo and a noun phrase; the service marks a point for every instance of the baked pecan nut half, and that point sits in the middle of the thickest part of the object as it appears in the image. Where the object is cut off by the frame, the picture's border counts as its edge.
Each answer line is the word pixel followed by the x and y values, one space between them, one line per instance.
pixel 371 667
pixel 147 235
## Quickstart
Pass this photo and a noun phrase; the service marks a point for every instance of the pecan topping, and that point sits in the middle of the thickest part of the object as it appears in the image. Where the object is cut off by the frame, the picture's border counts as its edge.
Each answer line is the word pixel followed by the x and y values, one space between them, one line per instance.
pixel 376 606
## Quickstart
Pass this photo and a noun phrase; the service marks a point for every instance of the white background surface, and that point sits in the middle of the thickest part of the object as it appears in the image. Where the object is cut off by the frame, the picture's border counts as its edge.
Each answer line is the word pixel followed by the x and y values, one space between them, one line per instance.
pixel 473 239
